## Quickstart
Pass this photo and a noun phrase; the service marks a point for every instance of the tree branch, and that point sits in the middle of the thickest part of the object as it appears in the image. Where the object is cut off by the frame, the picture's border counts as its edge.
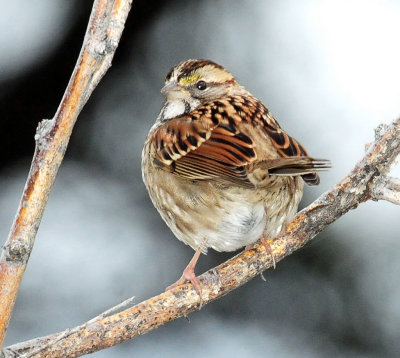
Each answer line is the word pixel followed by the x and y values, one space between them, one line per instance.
pixel 105 331
pixel 52 136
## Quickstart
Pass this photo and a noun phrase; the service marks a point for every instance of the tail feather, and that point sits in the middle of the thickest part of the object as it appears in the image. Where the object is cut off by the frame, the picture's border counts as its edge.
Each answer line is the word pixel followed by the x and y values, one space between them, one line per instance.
pixel 294 166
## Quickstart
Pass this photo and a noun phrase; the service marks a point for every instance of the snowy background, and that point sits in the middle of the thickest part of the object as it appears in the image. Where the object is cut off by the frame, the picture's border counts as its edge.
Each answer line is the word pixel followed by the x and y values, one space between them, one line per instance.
pixel 329 72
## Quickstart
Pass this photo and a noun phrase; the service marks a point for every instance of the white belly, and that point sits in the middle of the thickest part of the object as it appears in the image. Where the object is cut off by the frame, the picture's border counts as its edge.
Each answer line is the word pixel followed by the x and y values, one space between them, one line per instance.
pixel 243 225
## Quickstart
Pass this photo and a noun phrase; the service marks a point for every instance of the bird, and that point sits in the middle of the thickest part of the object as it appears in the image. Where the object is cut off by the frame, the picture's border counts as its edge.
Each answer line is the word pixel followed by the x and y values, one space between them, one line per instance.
pixel 218 167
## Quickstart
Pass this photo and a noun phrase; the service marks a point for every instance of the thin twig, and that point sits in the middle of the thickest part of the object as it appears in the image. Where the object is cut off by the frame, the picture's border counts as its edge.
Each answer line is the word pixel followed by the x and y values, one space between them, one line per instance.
pixel 353 190
pixel 103 33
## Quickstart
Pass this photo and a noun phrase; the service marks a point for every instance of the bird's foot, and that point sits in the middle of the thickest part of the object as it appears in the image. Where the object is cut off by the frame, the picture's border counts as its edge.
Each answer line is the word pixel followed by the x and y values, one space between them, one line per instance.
pixel 189 275
pixel 268 248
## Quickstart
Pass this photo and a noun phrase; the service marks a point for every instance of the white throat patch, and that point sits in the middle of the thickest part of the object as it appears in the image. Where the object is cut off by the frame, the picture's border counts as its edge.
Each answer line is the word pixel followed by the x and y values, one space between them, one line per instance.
pixel 177 108
pixel 172 109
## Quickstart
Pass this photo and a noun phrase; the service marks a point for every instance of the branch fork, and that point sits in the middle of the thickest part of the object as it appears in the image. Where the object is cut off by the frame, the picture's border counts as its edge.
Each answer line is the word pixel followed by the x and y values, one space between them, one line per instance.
pixel 386 188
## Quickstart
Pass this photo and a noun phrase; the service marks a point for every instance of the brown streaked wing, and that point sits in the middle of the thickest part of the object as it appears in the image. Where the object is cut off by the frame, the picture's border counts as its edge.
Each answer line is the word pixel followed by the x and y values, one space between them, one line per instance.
pixel 286 145
pixel 222 157
pixel 205 144
pixel 253 111
pixel 198 167
pixel 179 136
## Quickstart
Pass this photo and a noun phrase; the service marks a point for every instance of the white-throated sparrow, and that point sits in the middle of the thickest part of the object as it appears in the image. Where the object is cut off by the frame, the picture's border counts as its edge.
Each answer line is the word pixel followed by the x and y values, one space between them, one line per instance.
pixel 218 167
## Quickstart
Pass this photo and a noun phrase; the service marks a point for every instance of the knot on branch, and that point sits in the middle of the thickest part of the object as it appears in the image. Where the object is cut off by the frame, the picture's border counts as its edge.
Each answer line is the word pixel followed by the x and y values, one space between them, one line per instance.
pixel 380 131
pixel 102 47
pixel 16 251
pixel 42 136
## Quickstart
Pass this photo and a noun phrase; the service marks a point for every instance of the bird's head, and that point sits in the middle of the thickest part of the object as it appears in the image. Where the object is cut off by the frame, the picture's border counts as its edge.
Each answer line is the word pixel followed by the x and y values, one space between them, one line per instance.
pixel 197 80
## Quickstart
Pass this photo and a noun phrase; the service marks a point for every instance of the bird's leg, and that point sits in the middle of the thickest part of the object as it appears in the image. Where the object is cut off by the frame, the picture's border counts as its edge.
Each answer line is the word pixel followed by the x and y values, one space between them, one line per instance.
pixel 188 273
pixel 267 246
pixel 269 250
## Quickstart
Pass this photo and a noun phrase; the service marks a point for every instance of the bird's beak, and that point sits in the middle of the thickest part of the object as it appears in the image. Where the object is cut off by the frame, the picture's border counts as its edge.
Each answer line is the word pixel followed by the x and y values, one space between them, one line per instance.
pixel 171 86
pixel 174 91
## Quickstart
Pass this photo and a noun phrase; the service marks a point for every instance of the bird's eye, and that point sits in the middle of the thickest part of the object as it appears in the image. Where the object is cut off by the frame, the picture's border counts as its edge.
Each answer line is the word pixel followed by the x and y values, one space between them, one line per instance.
pixel 201 85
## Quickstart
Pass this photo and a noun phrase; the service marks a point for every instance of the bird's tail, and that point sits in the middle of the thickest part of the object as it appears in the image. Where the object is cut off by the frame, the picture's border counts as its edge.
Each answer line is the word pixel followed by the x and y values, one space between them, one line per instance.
pixel 293 166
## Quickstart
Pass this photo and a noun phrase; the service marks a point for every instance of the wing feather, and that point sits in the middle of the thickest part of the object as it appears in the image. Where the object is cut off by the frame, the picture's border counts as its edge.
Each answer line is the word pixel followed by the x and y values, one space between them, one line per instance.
pixel 207 144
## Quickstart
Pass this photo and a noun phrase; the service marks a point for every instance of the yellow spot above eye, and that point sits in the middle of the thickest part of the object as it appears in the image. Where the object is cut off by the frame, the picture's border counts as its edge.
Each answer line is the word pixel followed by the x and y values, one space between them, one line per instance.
pixel 189 79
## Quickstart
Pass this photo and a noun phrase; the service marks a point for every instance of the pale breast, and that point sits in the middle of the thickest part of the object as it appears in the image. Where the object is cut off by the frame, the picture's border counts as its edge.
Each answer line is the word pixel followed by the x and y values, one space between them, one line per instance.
pixel 241 224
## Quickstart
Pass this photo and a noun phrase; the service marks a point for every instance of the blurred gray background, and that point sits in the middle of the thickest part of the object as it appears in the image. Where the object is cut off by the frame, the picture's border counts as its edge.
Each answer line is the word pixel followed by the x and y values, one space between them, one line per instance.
pixel 329 72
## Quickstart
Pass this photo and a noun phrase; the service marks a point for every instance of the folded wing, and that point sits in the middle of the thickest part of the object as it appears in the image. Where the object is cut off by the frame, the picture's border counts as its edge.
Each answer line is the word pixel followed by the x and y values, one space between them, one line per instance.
pixel 208 145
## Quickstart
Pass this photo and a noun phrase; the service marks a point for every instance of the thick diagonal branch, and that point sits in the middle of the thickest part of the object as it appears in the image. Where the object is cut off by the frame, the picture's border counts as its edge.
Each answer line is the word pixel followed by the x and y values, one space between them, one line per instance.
pixel 104 332
pixel 52 137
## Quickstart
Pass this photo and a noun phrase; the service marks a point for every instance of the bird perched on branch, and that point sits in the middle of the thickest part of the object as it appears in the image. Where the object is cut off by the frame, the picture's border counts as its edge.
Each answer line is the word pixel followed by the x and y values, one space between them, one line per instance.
pixel 220 170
